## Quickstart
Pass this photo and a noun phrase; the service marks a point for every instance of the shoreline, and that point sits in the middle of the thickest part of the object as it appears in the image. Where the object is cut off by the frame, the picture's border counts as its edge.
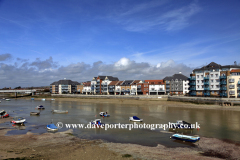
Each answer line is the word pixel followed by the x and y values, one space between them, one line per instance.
pixel 63 145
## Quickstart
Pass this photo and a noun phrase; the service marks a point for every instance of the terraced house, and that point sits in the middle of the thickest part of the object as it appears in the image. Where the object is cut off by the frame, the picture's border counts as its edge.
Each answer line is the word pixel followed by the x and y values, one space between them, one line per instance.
pixel 156 87
pixel 214 80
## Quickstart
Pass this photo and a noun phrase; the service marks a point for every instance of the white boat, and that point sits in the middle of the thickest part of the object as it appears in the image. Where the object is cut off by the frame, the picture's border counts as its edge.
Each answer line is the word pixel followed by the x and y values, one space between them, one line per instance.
pixel 52 127
pixel 18 120
pixel 104 114
pixel 43 99
pixel 186 138
pixel 97 122
pixel 52 99
pixel 8 99
pixel 60 111
pixel 135 119
pixel 40 107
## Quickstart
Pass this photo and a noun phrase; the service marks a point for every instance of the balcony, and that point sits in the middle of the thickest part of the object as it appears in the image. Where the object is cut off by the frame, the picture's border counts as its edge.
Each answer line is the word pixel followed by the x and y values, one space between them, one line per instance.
pixel 223 82
pixel 238 82
pixel 167 82
pixel 223 77
pixel 231 92
pixel 192 88
pixel 161 90
pixel 206 88
pixel 231 80
pixel 207 94
pixel 231 86
pixel 238 88
pixel 206 83
pixel 133 90
pixel 168 90
pixel 138 86
pixel 223 94
pixel 167 86
pixel 223 88
pixel 139 90
pixel 206 78
pixel 192 78
pixel 192 84
pixel 193 94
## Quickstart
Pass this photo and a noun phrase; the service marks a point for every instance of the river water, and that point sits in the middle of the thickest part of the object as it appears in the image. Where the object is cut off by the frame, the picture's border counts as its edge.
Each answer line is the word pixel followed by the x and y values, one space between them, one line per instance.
pixel 220 124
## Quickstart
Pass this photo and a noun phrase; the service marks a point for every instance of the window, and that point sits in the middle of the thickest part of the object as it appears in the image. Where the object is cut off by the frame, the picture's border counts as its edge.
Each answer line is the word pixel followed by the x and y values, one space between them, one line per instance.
pixel 211 80
pixel 197 86
pixel 217 86
pixel 199 92
pixel 211 86
pixel 211 75
pixel 202 86
pixel 197 76
pixel 202 81
pixel 201 76
pixel 197 81
pixel 212 92
pixel 216 75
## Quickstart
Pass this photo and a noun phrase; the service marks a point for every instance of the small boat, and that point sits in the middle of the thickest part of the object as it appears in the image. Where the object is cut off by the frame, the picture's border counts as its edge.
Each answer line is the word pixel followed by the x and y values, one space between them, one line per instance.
pixel 135 119
pixel 104 114
pixel 181 124
pixel 97 122
pixel 60 111
pixel 7 99
pixel 4 114
pixel 40 107
pixel 52 99
pixel 43 99
pixel 32 98
pixel 35 113
pixel 52 127
pixel 18 120
pixel 186 138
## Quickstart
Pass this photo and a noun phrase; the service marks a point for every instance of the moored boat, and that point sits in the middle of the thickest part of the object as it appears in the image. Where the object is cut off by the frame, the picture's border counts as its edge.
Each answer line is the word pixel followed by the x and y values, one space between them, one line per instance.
pixel 43 99
pixel 104 114
pixel 7 99
pixel 135 119
pixel 4 114
pixel 18 120
pixel 52 127
pixel 60 111
pixel 52 99
pixel 97 122
pixel 35 113
pixel 186 138
pixel 40 107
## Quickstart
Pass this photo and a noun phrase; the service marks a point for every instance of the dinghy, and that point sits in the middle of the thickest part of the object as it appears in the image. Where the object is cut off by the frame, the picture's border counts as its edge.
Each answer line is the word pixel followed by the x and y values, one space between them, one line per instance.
pixel 135 119
pixel 18 120
pixel 35 113
pixel 52 127
pixel 7 99
pixel 4 114
pixel 40 107
pixel 97 122
pixel 186 138
pixel 60 111
pixel 104 114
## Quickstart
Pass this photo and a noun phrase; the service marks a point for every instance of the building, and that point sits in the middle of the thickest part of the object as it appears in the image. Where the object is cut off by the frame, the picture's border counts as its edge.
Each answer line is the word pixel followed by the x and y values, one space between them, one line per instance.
pixel 87 88
pixel 134 87
pixel 126 87
pixel 211 80
pixel 233 84
pixel 142 88
pixel 111 87
pixel 64 87
pixel 118 88
pixel 176 84
pixel 156 87
pixel 80 88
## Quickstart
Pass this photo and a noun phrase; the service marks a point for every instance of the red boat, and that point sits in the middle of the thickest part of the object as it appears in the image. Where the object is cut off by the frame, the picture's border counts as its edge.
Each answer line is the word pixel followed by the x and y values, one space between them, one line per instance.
pixel 4 114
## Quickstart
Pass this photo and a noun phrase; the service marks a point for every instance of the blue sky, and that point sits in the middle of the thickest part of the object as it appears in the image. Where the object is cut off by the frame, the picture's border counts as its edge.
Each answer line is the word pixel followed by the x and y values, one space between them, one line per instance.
pixel 129 38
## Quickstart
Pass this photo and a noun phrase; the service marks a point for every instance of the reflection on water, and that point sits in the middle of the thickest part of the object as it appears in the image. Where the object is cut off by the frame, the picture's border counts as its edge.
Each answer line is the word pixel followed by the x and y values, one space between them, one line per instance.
pixel 214 123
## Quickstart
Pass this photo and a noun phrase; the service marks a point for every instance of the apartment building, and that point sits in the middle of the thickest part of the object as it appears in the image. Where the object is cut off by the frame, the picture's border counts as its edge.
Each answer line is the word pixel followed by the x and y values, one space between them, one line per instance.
pixel 63 87
pixel 126 87
pixel 156 87
pixel 106 82
pixel 134 87
pixel 112 87
pixel 143 88
pixel 87 88
pixel 233 84
pixel 118 88
pixel 177 84
pixel 210 80
pixel 80 88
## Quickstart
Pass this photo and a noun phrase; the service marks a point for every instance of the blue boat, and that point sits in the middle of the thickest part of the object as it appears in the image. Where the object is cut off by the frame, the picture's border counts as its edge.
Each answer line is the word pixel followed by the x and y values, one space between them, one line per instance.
pixel 52 127
pixel 186 138
pixel 40 107
pixel 135 119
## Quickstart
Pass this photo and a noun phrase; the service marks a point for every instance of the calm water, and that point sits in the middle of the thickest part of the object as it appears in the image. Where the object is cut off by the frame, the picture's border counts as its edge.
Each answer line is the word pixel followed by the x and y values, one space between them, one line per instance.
pixel 214 123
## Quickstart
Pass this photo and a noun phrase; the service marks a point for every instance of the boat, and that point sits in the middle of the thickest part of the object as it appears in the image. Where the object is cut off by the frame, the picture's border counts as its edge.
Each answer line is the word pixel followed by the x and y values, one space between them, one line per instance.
pixel 52 99
pixel 32 98
pixel 186 138
pixel 104 114
pixel 60 111
pixel 135 119
pixel 4 114
pixel 97 122
pixel 40 107
pixel 52 127
pixel 181 124
pixel 7 99
pixel 43 99
pixel 18 120
pixel 35 113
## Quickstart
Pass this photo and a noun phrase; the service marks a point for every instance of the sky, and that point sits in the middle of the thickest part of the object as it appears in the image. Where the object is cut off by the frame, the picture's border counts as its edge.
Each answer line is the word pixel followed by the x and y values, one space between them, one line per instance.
pixel 42 41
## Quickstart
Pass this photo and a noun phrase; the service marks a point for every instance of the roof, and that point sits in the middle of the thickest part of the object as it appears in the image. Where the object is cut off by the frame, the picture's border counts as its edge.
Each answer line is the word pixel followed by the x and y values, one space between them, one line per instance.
pixel 65 82
pixel 235 70
pixel 155 81
pixel 176 76
pixel 87 84
pixel 214 65
pixel 111 78
pixel 113 83
pixel 119 83
pixel 135 82
pixel 127 82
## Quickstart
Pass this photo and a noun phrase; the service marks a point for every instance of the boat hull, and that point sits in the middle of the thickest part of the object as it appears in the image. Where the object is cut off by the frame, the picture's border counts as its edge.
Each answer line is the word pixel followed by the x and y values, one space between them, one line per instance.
pixel 186 138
